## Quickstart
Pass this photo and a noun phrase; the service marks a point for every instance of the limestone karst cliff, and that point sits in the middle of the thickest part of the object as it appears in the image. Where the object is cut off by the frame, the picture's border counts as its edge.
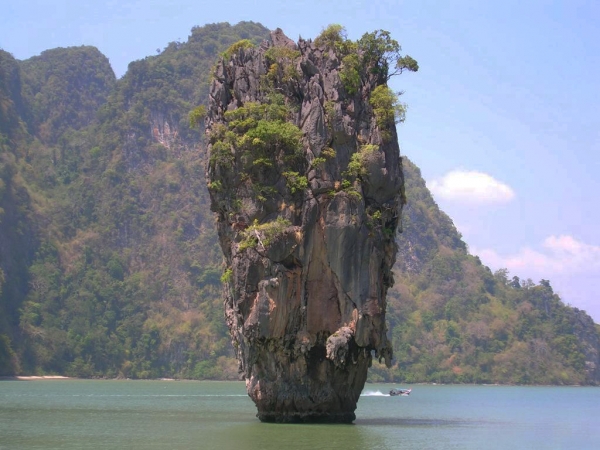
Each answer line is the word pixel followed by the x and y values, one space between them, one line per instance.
pixel 306 179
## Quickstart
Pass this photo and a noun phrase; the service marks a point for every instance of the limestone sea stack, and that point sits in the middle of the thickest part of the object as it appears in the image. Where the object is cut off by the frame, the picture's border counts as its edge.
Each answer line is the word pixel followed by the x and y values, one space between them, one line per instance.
pixel 305 177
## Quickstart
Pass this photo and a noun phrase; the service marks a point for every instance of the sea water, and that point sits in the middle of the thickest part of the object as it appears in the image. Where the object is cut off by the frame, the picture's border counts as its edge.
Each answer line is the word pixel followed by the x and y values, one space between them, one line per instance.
pixel 91 414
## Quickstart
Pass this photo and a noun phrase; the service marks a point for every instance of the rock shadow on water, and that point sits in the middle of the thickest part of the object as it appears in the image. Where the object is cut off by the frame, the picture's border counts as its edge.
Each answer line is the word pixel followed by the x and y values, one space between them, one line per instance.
pixel 266 436
pixel 413 422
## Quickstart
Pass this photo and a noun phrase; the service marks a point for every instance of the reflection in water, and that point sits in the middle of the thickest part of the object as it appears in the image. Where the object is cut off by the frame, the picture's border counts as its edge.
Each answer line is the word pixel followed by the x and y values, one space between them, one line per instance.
pixel 404 422
pixel 266 436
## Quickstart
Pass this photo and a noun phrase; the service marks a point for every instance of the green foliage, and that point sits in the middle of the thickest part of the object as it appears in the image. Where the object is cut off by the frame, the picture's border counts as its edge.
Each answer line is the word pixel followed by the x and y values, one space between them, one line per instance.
pixel 260 138
pixel 319 161
pixel 295 182
pixel 13 108
pixel 374 219
pixel 268 135
pixel 226 277
pixel 222 141
pixel 406 63
pixel 329 107
pixel 216 186
pixel 282 62
pixel 354 194
pixel 357 164
pixel 368 62
pixel 380 52
pixel 387 107
pixel 350 73
pixel 65 87
pixel 197 115
pixel 263 234
pixel 328 153
pixel 374 54
pixel 262 193
pixel 234 48
pixel 275 54
pixel 331 37
pixel 257 144
pixel 8 358
pixel 249 241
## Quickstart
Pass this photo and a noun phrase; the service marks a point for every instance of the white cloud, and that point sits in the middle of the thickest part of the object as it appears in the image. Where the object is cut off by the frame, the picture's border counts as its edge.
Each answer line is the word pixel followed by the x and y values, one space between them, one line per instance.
pixel 558 255
pixel 471 187
pixel 572 266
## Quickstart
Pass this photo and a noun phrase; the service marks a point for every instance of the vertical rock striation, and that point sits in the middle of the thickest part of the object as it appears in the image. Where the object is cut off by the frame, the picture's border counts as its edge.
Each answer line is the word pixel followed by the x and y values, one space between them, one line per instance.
pixel 306 180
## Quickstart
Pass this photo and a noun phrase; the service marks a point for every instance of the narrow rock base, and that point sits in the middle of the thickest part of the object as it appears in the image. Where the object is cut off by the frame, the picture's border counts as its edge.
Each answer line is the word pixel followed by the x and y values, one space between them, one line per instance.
pixel 308 389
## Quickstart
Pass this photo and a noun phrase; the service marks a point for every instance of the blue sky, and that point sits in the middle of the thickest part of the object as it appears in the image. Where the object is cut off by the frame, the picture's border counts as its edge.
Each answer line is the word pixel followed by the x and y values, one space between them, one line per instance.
pixel 502 116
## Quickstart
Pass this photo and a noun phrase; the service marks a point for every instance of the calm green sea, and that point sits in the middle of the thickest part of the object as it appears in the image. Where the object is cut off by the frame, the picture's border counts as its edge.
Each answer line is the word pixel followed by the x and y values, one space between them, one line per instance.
pixel 81 414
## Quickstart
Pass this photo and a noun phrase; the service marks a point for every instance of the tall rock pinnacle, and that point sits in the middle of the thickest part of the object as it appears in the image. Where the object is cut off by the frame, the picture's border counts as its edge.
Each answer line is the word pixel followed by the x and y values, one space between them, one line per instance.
pixel 306 179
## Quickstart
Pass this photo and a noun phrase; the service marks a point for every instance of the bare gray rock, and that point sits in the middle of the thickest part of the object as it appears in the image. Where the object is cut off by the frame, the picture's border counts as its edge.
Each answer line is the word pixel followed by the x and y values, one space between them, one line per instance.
pixel 309 264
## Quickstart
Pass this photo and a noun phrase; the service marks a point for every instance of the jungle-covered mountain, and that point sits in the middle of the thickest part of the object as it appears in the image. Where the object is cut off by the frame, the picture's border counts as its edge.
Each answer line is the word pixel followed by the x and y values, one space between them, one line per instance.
pixel 109 263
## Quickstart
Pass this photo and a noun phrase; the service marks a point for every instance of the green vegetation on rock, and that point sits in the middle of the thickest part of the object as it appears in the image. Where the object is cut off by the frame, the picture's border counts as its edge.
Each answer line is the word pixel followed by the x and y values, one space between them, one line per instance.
pixel 256 141
pixel 263 234
pixel 236 47
pixel 386 106
pixel 376 50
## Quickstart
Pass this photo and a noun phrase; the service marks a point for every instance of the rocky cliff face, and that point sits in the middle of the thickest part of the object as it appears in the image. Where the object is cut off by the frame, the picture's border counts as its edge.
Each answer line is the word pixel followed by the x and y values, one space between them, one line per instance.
pixel 307 184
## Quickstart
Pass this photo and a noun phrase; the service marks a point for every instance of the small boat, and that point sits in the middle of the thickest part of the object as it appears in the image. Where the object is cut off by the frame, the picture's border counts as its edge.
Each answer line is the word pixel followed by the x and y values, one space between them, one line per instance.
pixel 404 392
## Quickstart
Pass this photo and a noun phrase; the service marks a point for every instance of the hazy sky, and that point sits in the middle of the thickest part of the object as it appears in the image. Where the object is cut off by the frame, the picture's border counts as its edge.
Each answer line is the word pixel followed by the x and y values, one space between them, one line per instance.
pixel 503 115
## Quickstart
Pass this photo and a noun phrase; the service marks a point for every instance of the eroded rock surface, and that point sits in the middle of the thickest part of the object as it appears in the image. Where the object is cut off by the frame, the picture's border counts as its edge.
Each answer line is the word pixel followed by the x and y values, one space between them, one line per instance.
pixel 308 236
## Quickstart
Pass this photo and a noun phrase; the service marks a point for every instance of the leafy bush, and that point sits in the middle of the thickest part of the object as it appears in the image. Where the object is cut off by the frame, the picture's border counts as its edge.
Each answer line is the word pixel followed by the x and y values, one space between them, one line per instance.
pixel 287 54
pixel 331 36
pixel 356 167
pixel 379 52
pixel 227 275
pixel 328 153
pixel 236 47
pixel 318 161
pixel 197 115
pixel 259 140
pixel 263 233
pixel 295 182
pixel 387 108
pixel 350 73
pixel 215 186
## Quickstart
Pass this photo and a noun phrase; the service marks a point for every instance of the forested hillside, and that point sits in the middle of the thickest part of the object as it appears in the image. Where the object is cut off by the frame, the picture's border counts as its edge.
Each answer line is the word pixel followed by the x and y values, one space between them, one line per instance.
pixel 109 263
pixel 17 235
pixel 121 272
pixel 453 320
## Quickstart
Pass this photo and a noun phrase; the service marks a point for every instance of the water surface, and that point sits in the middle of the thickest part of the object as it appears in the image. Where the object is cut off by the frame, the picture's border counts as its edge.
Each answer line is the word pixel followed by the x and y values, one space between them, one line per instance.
pixel 91 414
